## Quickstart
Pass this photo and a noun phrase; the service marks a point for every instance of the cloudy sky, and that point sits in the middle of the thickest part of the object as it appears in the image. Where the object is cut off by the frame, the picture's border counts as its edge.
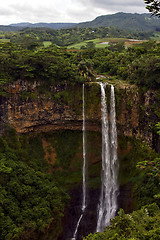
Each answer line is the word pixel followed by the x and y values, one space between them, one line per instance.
pixel 64 10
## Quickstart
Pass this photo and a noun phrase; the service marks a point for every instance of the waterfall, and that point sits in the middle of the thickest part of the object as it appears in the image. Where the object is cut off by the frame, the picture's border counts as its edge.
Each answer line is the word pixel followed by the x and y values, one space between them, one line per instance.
pixel 84 203
pixel 109 188
pixel 114 157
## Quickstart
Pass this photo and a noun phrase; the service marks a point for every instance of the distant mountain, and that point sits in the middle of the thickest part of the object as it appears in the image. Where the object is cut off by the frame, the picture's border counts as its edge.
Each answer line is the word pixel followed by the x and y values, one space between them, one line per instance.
pixel 44 25
pixel 8 28
pixel 127 21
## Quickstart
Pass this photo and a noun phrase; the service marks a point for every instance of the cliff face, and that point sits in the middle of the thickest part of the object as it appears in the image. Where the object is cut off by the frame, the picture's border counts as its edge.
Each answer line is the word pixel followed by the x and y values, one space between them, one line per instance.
pixel 136 115
pixel 28 111
pixel 61 108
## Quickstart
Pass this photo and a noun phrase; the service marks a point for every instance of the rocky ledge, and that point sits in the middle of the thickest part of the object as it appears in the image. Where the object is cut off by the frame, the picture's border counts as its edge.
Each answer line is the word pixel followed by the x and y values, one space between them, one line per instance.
pixel 60 107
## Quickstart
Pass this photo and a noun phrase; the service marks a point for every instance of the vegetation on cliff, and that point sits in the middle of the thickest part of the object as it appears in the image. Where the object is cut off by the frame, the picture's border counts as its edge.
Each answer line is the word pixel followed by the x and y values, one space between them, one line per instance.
pixel 26 61
pixel 139 64
pixel 30 199
pixel 49 66
pixel 141 224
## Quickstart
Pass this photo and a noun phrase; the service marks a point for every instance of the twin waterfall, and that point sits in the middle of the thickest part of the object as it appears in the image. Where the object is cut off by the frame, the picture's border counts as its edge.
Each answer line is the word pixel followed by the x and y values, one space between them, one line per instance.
pixel 109 187
pixel 109 190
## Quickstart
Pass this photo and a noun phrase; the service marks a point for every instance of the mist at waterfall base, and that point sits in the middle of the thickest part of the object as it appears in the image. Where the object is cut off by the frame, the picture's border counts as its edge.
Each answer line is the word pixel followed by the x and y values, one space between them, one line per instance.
pixel 91 209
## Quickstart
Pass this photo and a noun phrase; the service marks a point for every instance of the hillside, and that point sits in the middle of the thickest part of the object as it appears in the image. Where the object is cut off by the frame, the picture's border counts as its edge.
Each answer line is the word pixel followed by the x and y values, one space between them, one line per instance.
pixel 44 25
pixel 125 21
pixel 20 26
pixel 129 21
pixel 8 28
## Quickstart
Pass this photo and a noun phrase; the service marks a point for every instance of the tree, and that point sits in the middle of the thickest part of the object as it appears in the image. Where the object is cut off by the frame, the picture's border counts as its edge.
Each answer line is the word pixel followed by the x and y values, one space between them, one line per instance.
pixel 153 6
pixel 90 45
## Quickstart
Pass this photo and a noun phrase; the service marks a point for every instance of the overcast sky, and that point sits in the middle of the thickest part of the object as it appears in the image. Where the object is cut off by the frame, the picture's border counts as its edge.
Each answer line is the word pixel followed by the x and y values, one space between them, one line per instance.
pixel 64 10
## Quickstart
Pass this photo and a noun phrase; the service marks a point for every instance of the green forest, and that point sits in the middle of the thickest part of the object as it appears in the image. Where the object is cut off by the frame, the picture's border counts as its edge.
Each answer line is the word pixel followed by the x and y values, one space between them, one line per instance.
pixel 32 199
pixel 138 64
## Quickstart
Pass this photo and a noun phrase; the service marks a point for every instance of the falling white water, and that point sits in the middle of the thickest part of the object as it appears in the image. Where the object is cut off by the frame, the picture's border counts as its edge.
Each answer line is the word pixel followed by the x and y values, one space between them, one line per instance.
pixel 109 188
pixel 77 226
pixel 114 157
pixel 84 203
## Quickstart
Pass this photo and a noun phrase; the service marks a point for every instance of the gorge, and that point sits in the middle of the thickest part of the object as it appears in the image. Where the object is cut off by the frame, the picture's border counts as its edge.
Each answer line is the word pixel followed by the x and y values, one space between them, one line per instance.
pixel 57 121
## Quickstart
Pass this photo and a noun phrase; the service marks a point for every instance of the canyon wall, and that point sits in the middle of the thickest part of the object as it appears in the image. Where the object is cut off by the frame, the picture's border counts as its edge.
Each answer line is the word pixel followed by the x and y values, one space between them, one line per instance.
pixel 60 107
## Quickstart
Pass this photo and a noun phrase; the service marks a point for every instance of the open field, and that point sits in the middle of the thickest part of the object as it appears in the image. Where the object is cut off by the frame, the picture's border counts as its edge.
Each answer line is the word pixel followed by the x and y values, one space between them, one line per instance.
pixel 105 42
pixel 4 40
pixel 96 41
pixel 156 37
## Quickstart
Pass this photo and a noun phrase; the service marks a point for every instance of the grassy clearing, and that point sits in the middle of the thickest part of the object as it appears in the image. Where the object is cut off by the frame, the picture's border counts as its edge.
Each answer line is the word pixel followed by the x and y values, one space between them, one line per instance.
pixel 99 42
pixel 96 41
pixel 47 43
pixel 4 40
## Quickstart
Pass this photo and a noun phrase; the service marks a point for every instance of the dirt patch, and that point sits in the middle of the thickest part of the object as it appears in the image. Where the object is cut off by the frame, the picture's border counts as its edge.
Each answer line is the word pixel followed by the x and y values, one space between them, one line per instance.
pixel 50 153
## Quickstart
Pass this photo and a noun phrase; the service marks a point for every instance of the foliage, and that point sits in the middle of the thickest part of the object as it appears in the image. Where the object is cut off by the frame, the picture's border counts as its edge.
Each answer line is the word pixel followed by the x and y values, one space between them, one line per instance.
pixel 141 224
pixel 150 170
pixel 66 37
pixel 153 6
pixel 158 127
pixel 63 144
pixel 49 65
pixel 139 64
pixel 27 60
pixel 30 200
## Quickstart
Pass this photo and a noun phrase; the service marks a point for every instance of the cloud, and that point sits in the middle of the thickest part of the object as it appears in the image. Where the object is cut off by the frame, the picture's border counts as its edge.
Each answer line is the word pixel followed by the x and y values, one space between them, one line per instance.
pixel 84 10
pixel 64 10
pixel 5 11
pixel 28 12
pixel 112 4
